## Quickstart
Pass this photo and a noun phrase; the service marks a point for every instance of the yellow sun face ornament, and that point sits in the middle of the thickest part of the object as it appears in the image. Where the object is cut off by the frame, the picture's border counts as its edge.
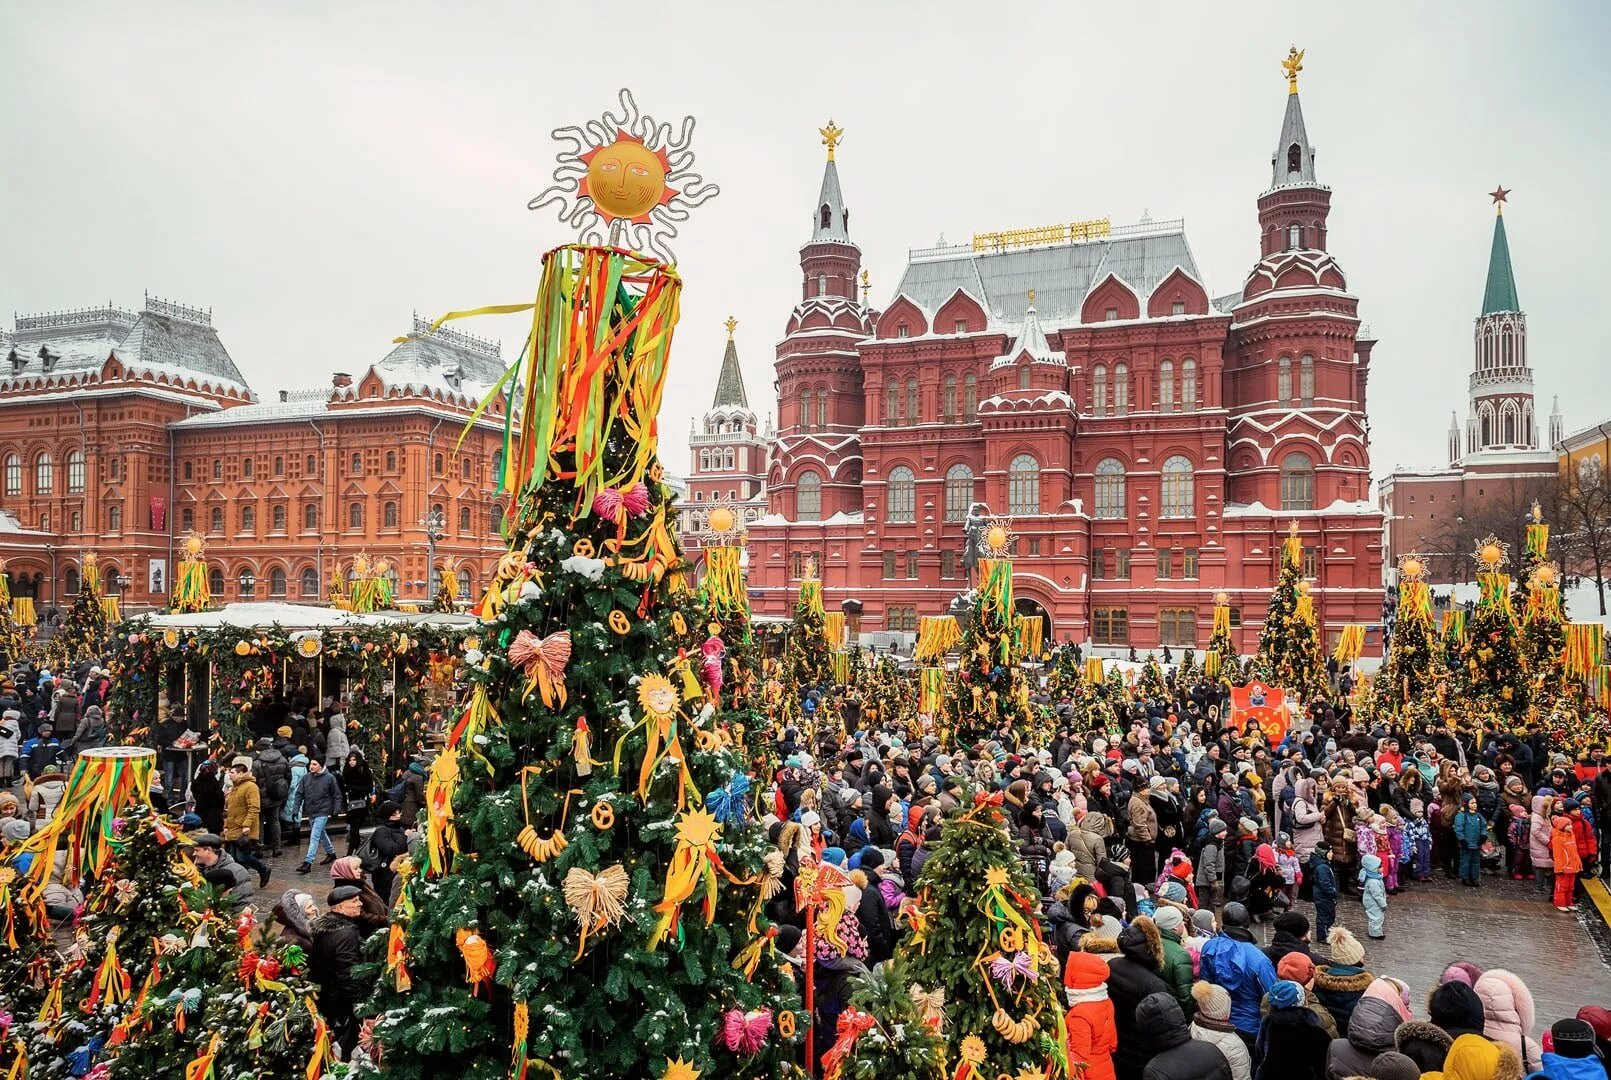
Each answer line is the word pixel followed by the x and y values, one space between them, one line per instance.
pixel 625 179
pixel 657 696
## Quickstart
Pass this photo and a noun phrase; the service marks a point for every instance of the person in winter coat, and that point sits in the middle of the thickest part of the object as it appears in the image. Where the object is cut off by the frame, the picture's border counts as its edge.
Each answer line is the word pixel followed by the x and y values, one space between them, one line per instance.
pixel 1092 1034
pixel 1455 1010
pixel 1133 977
pixel 337 746
pixel 1539 834
pixel 383 846
pixel 1233 960
pixel 42 753
pixel 1474 1058
pixel 272 769
pixel 220 870
pixel 1176 969
pixel 1373 894
pixel 291 811
pixel 321 801
pixel 47 795
pixel 413 800
pixel 1292 1042
pixel 242 818
pixel 358 793
pixel 1304 818
pixel 90 731
pixel 1291 935
pixel 10 744
pixel 1143 835
pixel 338 940
pixel 1370 1032
pixel 1340 984
pixel 1470 830
pixel 207 795
pixel 64 709
pixel 1563 850
pixel 876 924
pixel 1323 882
pixel 1574 1056
pixel 1507 1013
pixel 1175 1054
pixel 1212 1024
pixel 291 918
pixel 1211 863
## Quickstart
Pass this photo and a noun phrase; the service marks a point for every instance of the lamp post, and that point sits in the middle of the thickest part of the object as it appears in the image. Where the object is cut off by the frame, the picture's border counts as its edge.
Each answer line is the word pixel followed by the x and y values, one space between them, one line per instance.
pixel 248 581
pixel 435 526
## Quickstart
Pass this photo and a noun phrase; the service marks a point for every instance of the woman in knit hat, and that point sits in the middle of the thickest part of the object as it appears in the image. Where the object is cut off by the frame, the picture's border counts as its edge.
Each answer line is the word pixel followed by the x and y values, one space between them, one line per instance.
pixel 1212 1024
pixel 1341 983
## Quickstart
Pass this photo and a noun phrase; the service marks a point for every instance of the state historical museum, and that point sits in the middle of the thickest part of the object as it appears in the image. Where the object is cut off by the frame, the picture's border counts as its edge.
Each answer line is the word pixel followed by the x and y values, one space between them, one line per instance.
pixel 1151 442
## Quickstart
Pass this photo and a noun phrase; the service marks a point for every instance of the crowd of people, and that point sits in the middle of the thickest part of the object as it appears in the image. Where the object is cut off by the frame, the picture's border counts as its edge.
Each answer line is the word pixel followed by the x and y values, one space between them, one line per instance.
pixel 1178 858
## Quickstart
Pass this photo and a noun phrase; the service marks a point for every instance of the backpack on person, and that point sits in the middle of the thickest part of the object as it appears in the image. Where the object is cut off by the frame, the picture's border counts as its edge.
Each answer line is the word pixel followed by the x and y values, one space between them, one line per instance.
pixel 397 791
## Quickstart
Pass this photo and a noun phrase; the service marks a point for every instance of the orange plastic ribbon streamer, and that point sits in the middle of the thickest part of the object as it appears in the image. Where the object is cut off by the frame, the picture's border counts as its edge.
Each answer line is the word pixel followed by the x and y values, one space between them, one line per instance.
pixel 321 1042
pixel 202 1067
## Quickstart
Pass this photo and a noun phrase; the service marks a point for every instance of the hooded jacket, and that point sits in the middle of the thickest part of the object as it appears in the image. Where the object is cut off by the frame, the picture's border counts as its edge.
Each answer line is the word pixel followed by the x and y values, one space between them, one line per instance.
pixel 1539 833
pixel 1223 1036
pixel 1133 977
pixel 1292 1045
pixel 1473 1057
pixel 1370 1032
pixel 1339 987
pixel 1425 1044
pixel 1092 1034
pixel 1507 1014
pixel 1177 1055
pixel 1177 970
pixel 1232 960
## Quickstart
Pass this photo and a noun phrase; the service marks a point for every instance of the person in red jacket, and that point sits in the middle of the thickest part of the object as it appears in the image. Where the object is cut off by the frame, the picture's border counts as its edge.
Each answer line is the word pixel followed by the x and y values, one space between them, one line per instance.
pixel 1092 1034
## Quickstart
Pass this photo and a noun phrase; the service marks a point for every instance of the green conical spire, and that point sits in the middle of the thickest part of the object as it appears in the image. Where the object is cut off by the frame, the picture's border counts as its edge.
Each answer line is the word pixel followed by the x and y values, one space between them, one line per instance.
pixel 1500 294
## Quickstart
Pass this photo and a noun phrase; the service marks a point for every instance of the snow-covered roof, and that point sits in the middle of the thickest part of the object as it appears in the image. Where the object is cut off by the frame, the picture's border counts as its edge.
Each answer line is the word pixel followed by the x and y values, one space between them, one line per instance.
pixel 298 405
pixel 10 526
pixel 1339 508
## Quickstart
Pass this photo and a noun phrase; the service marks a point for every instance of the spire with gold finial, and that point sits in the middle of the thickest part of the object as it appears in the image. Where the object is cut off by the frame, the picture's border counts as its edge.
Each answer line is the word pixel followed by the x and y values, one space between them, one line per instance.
pixel 731 324
pixel 831 136
pixel 1292 65
pixel 866 286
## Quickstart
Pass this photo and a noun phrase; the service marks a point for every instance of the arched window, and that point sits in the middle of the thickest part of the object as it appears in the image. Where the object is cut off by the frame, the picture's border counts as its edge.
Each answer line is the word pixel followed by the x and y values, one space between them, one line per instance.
pixel 1023 485
pixel 1306 381
pixel 1188 385
pixel 958 492
pixel 215 581
pixel 1487 415
pixel 1110 488
pixel 497 465
pixel 727 459
pixel 1297 482
pixel 188 471
pixel 356 465
pixel 913 412
pixel 277 581
pixel 388 515
pixel 248 519
pixel 805 410
pixel 822 284
pixel 310 583
pixel 464 468
pixel 1178 495
pixel 822 408
pixel 900 498
pixel 1294 158
pixel 72 581
pixel 1527 424
pixel 279 518
pixel 1508 419
pixel 1023 377
pixel 1166 386
pixel 1099 390
pixel 310 517
pixel 279 466
pixel 464 582
pixel 970 396
pixel 497 519
pixel 13 474
pixel 704 461
pixel 1294 237
pixel 949 401
pixel 247 465
pixel 391 461
pixel 112 468
pixel 44 474
pixel 1121 389
pixel 464 521
pixel 215 520
pixel 114 518
pixel 355 516
pixel 75 471
pixel 1283 380
pixel 808 497
pixel 825 217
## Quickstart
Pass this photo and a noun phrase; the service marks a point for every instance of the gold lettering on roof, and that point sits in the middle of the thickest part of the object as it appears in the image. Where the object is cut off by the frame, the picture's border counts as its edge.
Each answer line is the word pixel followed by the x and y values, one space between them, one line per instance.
pixel 1072 233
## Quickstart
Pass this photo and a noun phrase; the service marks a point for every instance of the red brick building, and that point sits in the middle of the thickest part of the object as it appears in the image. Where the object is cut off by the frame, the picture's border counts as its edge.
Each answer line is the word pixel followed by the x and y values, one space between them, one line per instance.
pixel 122 431
pixel 1151 441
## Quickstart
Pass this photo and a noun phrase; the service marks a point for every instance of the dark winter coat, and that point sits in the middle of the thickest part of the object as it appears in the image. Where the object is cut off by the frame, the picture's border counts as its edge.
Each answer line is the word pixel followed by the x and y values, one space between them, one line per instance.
pixel 1284 943
pixel 1292 1045
pixel 1132 978
pixel 337 949
pixel 1339 987
pixel 1370 1032
pixel 1425 1044
pixel 233 878
pixel 1324 879
pixel 208 792
pixel 321 795
pixel 413 792
pixel 1177 1055
pixel 270 768
pixel 876 926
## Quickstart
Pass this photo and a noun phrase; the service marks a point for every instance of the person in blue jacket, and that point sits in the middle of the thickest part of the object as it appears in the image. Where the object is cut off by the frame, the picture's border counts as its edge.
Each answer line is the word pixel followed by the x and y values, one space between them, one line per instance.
pixel 1233 960
pixel 1574 1056
pixel 1373 894
pixel 1470 830
pixel 1324 880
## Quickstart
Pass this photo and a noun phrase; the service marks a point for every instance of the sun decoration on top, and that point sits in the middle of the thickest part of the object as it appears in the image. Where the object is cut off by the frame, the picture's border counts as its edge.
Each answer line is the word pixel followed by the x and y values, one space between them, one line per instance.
pixel 1491 554
pixel 998 537
pixel 626 180
pixel 724 525
pixel 1411 567
pixel 1545 576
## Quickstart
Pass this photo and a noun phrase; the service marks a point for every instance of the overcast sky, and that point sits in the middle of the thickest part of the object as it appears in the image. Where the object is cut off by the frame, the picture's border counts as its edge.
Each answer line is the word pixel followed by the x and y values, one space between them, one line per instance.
pixel 317 171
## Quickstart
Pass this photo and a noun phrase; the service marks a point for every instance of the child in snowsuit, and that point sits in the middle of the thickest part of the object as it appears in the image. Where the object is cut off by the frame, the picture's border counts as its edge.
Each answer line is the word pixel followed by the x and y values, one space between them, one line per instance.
pixel 1325 889
pixel 1286 861
pixel 1418 841
pixel 1518 836
pixel 1374 896
pixel 1470 830
pixel 1563 847
pixel 1392 829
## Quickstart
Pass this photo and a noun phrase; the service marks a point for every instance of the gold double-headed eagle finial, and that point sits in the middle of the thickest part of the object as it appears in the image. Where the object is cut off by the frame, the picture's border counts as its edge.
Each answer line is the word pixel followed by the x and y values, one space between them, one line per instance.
pixel 731 324
pixel 1292 65
pixel 832 135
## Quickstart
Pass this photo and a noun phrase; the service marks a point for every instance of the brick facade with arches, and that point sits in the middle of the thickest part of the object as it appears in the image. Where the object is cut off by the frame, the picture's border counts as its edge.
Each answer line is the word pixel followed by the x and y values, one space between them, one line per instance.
pixel 1152 442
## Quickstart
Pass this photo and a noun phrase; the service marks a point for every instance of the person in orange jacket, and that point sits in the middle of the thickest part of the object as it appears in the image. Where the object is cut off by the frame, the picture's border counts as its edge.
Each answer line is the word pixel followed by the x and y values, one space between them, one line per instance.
pixel 1092 1034
pixel 1563 846
pixel 1588 847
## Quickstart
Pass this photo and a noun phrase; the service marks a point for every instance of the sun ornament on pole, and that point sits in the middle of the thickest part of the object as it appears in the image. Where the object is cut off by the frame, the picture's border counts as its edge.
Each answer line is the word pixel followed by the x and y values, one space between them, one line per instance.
pixel 1491 554
pixel 998 538
pixel 627 180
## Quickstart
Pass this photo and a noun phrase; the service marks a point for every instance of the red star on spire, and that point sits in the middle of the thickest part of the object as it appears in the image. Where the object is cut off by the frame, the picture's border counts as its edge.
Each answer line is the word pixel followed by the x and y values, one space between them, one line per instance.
pixel 1499 194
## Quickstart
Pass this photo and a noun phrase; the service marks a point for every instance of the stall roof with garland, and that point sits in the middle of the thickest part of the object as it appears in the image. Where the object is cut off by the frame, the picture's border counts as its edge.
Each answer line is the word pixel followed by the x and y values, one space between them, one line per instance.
pixel 303 617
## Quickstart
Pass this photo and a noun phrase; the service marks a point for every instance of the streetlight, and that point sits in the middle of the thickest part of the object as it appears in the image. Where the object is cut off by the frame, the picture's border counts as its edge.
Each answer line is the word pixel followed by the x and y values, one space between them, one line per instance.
pixel 435 526
pixel 248 583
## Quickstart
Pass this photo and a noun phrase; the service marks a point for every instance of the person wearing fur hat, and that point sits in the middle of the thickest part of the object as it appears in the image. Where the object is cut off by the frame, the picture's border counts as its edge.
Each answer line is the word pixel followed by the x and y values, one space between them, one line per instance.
pixel 1092 1034
pixel 1212 1024
pixel 1177 966
pixel 1341 983
pixel 1292 1042
pixel 1474 1058
pixel 1371 1032
pixel 1508 1014
pixel 1132 977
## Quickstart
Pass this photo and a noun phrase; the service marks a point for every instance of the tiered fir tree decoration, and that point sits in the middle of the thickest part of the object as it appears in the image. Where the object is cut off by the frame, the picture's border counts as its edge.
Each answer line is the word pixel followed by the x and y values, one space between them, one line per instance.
pixel 807 665
pixel 728 656
pixel 989 687
pixel 1537 599
pixel 190 591
pixel 13 642
pixel 1289 646
pixel 975 935
pixel 1492 678
pixel 1406 685
pixel 1151 684
pixel 1220 660
pixel 890 1032
pixel 85 628
pixel 578 900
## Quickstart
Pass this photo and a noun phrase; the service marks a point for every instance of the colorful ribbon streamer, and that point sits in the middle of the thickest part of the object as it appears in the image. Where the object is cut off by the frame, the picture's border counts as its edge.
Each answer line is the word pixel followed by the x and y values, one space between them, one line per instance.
pixel 724 582
pixel 104 783
pixel 1351 644
pixel 936 636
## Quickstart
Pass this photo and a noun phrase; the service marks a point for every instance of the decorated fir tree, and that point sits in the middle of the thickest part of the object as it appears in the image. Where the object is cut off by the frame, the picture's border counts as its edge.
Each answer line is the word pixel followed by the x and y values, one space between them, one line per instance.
pixel 808 663
pixel 446 599
pixel 1151 683
pixel 1220 660
pixel 989 688
pixel 588 898
pixel 1289 646
pixel 13 641
pixel 1407 682
pixel 890 1032
pixel 975 935
pixel 85 628
pixel 1536 598
pixel 1492 678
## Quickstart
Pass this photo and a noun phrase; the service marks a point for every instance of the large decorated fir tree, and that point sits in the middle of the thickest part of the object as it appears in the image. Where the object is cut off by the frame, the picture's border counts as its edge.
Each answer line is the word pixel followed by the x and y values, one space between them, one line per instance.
pixel 1491 675
pixel 989 688
pixel 890 1032
pixel 1289 645
pixel 975 935
pixel 85 628
pixel 808 662
pixel 1220 660
pixel 588 898
pixel 1537 599
pixel 1406 685
pixel 13 642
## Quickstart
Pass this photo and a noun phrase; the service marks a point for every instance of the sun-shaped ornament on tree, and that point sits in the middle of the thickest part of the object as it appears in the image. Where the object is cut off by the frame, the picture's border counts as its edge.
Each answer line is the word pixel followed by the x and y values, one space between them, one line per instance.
pixel 998 537
pixel 1491 554
pixel 724 526
pixel 627 180
pixel 1411 567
